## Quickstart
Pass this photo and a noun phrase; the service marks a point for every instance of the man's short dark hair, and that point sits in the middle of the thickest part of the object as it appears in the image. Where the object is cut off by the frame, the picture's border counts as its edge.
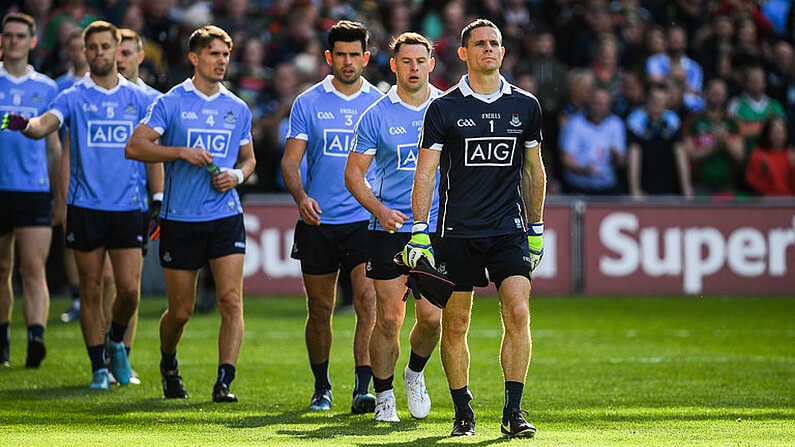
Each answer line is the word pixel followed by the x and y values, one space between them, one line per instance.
pixel 348 31
pixel 204 36
pixel 410 39
pixel 21 18
pixel 101 26
pixel 479 23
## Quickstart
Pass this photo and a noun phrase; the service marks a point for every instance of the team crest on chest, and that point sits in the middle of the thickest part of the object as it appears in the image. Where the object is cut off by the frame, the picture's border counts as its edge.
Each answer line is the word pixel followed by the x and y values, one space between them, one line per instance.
pixel 515 121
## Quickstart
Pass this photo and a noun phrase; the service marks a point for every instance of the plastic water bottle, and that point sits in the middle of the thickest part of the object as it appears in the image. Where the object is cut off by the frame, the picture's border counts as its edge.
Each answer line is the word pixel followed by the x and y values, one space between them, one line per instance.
pixel 213 170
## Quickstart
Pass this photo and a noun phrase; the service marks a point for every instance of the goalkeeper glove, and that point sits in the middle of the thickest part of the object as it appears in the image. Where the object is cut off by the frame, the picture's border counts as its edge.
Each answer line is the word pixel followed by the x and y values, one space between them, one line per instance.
pixel 419 245
pixel 154 216
pixel 13 121
pixel 535 240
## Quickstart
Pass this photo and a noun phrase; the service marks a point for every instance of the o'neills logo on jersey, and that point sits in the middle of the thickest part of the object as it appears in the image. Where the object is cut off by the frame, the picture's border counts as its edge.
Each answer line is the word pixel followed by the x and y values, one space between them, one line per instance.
pixel 337 142
pixel 109 133
pixel 489 151
pixel 213 141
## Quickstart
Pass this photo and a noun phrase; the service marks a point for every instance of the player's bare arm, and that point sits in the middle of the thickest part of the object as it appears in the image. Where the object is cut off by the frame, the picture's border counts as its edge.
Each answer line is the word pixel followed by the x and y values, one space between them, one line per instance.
pixel 245 165
pixel 291 171
pixel 60 192
pixel 424 183
pixel 54 153
pixel 41 126
pixel 355 173
pixel 143 146
pixel 534 184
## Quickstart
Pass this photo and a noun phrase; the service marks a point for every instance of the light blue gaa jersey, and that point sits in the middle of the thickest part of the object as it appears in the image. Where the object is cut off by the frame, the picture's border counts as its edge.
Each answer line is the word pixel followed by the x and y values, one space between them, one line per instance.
pixel 66 80
pixel 23 162
pixel 219 124
pixel 151 93
pixel 100 122
pixel 325 118
pixel 389 131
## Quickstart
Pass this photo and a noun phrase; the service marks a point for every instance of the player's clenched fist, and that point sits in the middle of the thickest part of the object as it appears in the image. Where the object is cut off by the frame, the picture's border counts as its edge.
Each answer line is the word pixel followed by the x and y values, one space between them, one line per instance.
pixel 13 121
pixel 535 240
pixel 419 245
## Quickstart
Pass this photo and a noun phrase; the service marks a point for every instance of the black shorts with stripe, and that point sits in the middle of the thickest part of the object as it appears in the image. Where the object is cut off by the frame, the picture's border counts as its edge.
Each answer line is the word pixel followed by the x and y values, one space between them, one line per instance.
pixel 24 209
pixel 324 248
pixel 189 245
pixel 88 229
pixel 466 261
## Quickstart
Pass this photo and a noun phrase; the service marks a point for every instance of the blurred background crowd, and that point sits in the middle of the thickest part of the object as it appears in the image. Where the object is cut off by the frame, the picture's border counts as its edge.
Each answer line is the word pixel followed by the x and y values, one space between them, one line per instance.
pixel 640 97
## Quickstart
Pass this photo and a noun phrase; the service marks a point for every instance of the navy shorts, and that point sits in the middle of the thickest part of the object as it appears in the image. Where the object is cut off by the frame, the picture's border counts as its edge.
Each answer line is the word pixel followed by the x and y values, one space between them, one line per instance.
pixel 189 245
pixel 24 209
pixel 325 248
pixel 88 229
pixel 466 261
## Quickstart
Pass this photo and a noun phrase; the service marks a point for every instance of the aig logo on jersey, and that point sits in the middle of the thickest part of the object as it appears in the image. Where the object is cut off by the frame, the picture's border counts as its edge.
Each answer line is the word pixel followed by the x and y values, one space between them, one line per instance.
pixel 108 133
pixel 337 142
pixel 489 151
pixel 215 142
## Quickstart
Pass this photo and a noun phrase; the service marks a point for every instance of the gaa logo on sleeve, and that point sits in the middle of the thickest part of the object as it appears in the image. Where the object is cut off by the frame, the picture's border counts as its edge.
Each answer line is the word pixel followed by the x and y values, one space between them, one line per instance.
pixel 213 141
pixel 337 142
pixel 109 133
pixel 407 157
pixel 489 151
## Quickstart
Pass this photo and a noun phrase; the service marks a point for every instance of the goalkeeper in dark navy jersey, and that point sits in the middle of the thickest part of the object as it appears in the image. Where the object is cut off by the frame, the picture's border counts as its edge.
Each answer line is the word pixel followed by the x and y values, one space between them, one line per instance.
pixel 485 136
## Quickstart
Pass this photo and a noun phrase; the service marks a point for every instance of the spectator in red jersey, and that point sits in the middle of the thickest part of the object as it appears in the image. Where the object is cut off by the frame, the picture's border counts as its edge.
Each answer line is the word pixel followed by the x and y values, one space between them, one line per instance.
pixel 771 168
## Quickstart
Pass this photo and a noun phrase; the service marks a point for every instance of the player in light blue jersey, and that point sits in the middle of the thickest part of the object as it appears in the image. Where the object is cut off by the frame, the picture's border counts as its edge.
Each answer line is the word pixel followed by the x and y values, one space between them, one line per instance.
pixel 204 134
pixel 388 132
pixel 28 170
pixel 104 200
pixel 332 229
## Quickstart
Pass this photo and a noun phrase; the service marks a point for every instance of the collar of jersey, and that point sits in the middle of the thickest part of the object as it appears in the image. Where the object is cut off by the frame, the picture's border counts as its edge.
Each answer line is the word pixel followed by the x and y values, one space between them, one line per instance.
pixel 466 90
pixel 189 87
pixel 329 88
pixel 14 79
pixel 393 96
pixel 89 83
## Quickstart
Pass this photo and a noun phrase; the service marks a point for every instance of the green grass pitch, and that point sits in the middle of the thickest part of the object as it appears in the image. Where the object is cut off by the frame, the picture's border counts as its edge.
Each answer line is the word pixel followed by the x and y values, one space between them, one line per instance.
pixel 662 371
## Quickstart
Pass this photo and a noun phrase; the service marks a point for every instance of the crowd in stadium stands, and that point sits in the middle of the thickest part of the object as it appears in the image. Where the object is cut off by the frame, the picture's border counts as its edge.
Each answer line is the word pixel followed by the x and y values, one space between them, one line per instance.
pixel 682 96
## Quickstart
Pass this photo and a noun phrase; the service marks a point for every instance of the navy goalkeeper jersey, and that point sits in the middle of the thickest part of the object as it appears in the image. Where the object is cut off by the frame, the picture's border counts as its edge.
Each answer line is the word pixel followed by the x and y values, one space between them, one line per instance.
pixel 482 142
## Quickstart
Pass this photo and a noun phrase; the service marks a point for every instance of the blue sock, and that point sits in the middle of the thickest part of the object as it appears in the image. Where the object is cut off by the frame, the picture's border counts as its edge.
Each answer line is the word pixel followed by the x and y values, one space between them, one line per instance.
pixel 226 374
pixel 320 371
pixel 461 398
pixel 363 375
pixel 97 356
pixel 513 396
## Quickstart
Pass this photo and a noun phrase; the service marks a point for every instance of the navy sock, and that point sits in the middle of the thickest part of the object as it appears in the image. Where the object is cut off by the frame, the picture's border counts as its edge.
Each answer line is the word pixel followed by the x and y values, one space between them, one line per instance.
pixel 168 362
pixel 128 351
pixel 5 334
pixel 97 356
pixel 417 362
pixel 513 396
pixel 75 292
pixel 381 385
pixel 226 374
pixel 117 331
pixel 320 371
pixel 461 398
pixel 363 375
pixel 35 331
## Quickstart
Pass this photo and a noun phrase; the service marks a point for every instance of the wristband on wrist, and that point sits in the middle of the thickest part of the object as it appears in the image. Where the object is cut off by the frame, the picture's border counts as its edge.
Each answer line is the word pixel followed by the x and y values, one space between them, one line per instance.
pixel 535 229
pixel 239 174
pixel 157 197
pixel 419 227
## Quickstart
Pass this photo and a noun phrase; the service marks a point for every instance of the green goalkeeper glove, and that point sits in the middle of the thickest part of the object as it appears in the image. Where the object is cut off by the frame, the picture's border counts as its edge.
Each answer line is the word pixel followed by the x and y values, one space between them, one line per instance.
pixel 419 245
pixel 535 240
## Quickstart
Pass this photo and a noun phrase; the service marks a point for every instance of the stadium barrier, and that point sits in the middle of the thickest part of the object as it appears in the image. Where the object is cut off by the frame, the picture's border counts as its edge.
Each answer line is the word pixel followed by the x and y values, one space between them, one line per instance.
pixel 597 246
